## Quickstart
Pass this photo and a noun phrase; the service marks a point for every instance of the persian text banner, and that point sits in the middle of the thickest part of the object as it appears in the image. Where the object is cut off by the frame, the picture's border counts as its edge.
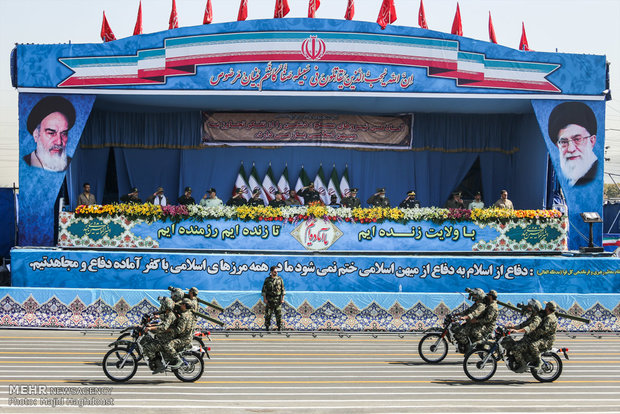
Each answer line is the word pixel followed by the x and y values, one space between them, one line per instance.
pixel 311 235
pixel 334 130
pixel 351 273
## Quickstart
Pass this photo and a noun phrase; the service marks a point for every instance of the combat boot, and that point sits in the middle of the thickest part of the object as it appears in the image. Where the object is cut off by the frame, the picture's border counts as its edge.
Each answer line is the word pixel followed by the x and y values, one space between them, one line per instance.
pixel 176 363
pixel 158 367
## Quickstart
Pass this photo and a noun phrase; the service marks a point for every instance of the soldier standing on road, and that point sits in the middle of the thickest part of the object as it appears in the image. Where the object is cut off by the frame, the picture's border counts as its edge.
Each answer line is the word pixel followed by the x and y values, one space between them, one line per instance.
pixel 273 296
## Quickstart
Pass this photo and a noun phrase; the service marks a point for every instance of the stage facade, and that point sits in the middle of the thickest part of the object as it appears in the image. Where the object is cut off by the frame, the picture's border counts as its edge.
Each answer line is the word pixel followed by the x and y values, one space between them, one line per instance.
pixel 400 109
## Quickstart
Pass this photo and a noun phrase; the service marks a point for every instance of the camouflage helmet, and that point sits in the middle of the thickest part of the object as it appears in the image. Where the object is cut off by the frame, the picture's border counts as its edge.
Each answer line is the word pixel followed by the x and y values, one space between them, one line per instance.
pixel 176 294
pixel 535 305
pixel 551 305
pixel 477 294
pixel 166 304
pixel 187 302
pixel 493 293
pixel 193 290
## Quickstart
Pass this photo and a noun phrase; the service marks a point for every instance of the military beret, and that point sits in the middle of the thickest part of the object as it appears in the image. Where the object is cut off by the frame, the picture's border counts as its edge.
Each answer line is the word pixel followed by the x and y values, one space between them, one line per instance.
pixel 49 105
pixel 568 113
pixel 188 189
pixel 380 190
pixel 411 193
pixel 212 190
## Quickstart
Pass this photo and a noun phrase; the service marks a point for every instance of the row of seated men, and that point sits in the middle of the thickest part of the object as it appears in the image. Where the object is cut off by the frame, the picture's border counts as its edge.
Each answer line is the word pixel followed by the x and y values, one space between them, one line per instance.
pixel 309 194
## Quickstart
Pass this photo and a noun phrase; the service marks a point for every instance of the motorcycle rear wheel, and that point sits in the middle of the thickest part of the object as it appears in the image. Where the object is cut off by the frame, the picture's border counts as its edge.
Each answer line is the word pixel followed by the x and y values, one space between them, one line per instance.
pixel 433 348
pixel 192 368
pixel 119 364
pixel 551 368
pixel 472 365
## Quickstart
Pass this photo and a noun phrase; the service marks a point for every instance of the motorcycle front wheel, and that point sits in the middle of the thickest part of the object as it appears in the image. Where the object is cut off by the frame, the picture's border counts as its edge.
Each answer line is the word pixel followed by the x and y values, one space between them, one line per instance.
pixel 433 348
pixel 192 368
pixel 119 364
pixel 474 367
pixel 551 368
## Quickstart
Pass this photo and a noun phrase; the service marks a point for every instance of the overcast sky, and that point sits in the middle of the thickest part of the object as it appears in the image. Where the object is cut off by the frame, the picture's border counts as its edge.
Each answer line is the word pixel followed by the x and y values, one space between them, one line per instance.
pixel 569 26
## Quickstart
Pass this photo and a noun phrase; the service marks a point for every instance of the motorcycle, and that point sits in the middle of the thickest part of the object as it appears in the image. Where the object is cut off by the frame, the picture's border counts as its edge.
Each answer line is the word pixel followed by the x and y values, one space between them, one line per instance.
pixel 120 363
pixel 433 347
pixel 127 334
pixel 480 364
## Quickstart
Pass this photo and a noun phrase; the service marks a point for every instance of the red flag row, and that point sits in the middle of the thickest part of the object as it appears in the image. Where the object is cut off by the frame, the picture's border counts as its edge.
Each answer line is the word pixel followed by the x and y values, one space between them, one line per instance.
pixel 387 15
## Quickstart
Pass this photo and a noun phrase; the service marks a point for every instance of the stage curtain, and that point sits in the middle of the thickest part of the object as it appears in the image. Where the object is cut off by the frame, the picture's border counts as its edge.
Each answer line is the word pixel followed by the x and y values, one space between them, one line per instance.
pixel 437 174
pixel 142 130
pixel 465 133
pixel 87 165
pixel 147 170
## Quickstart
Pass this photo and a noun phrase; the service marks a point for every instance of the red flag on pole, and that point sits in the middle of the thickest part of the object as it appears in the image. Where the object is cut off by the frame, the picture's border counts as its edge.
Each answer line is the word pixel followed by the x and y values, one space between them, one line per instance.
pixel 208 18
pixel 422 17
pixel 387 13
pixel 492 37
pixel 523 42
pixel 243 11
pixel 350 10
pixel 173 23
pixel 313 5
pixel 138 27
pixel 282 9
pixel 106 30
pixel 457 27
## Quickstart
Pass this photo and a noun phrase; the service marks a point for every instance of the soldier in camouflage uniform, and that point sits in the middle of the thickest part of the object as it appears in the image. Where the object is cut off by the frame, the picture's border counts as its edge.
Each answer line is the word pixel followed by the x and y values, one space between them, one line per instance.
pixel 181 332
pixel 463 333
pixel 273 296
pixel 533 309
pixel 150 345
pixel 193 296
pixel 527 351
pixel 485 323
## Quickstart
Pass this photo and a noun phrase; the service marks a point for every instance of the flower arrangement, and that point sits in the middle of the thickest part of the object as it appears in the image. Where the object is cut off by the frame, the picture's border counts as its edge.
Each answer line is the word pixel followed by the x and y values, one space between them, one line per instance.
pixel 150 212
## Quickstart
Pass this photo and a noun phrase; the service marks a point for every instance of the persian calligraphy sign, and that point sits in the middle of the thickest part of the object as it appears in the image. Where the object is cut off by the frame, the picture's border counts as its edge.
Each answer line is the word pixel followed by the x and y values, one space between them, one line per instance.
pixel 316 234
pixel 336 130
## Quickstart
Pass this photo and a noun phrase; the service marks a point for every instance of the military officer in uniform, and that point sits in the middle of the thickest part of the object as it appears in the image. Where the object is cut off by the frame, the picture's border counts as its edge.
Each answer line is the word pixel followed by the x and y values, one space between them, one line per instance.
pixel 351 200
pixel 237 199
pixel 278 201
pixel 410 201
pixel 256 201
pixel 273 295
pixel 379 199
pixel 309 194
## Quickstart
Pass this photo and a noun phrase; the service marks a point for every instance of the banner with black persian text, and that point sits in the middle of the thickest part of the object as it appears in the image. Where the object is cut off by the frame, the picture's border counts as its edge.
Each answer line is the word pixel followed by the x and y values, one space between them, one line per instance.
pixel 308 129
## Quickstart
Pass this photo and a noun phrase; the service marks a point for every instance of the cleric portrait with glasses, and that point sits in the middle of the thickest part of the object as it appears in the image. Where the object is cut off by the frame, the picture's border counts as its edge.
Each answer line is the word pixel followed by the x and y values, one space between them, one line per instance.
pixel 572 128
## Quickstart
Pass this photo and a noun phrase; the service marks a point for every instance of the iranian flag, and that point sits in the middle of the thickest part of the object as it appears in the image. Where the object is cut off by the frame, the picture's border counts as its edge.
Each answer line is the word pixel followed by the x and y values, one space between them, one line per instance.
pixel 319 185
pixel 269 185
pixel 302 181
pixel 242 183
pixel 344 183
pixel 283 185
pixel 332 186
pixel 254 182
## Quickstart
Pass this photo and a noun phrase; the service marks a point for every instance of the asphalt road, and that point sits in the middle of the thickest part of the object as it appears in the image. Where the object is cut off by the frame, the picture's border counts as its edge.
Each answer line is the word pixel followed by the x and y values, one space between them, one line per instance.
pixel 299 374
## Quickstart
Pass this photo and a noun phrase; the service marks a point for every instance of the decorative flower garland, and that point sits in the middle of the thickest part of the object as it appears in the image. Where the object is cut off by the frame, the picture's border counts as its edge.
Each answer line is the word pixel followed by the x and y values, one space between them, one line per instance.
pixel 150 213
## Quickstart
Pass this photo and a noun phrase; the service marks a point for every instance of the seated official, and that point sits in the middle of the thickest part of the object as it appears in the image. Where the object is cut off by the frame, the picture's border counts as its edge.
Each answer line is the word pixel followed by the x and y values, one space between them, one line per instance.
pixel 210 199
pixel 310 194
pixel 292 199
pixel 333 201
pixel 186 199
pixel 278 201
pixel 477 202
pixel 455 201
pixel 410 201
pixel 131 197
pixel 256 200
pixel 237 199
pixel 158 198
pixel 351 201
pixel 379 199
